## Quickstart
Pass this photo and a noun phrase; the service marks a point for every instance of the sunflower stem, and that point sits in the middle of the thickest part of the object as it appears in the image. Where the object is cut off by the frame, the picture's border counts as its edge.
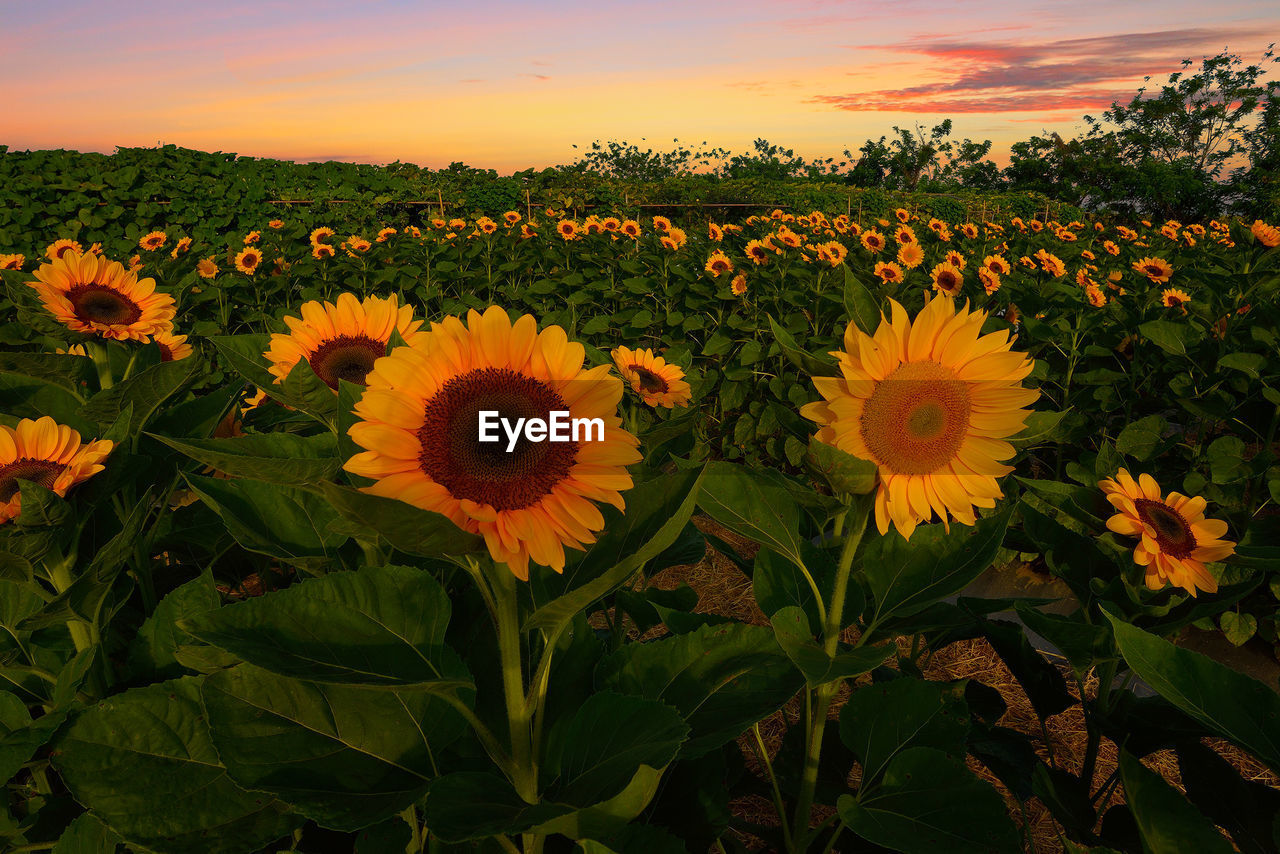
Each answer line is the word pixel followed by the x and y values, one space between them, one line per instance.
pixel 825 693
pixel 524 774
pixel 60 577
pixel 101 357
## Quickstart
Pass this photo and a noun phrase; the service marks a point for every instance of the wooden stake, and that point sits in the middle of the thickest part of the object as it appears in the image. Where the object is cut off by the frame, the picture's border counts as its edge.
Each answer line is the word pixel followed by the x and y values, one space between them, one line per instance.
pixel 440 196
pixel 528 207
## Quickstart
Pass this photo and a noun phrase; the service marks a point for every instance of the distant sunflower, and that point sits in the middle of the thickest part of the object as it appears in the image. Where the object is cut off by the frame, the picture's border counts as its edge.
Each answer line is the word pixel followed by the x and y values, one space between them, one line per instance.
pixel 485 224
pixel 1158 270
pixel 990 280
pixel 322 251
pixel 911 255
pixel 1174 298
pixel 172 347
pixel 90 294
pixel 12 262
pixel 714 232
pixel 567 228
pixel 630 228
pixel 1267 235
pixel 276 224
pixel 58 248
pixel 955 259
pixel 889 273
pixel 207 268
pixel 718 263
pixel 905 234
pixel 385 234
pixel 321 235
pixel 419 426
pixel 247 260
pixel 757 252
pixel 252 238
pixel 947 279
pixel 836 252
pixel 1050 263
pixel 611 224
pixel 181 247
pixel 997 264
pixel 341 341
pixel 658 382
pixel 739 285
pixel 676 236
pixel 873 241
pixel 1176 539
pixel 152 241
pixel 661 223
pixel 969 230
pixel 903 215
pixel 46 453
pixel 930 402
pixel 511 217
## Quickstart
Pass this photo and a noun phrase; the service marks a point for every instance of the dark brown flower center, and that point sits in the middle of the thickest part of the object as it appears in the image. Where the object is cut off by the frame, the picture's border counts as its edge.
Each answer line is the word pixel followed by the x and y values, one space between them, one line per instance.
pixel 650 382
pixel 1153 270
pixel 101 304
pixel 1173 534
pixel 347 357
pixel 485 472
pixel 947 281
pixel 43 472
pixel 917 418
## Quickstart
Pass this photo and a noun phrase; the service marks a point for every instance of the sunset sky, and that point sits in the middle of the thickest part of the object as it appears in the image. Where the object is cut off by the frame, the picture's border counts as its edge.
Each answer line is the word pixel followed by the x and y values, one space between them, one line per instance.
pixel 507 85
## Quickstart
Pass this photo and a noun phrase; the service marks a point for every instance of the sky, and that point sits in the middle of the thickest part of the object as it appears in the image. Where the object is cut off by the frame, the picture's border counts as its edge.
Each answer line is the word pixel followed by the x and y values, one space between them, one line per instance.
pixel 512 85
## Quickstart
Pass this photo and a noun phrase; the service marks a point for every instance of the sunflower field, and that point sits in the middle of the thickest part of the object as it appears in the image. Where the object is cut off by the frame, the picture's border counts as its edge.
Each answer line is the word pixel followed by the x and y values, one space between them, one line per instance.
pixel 265 588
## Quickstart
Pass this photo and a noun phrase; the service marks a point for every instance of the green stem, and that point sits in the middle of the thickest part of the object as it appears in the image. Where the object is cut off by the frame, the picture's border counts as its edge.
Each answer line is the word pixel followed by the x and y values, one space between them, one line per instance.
pixel 825 693
pixel 773 782
pixel 60 577
pixel 525 776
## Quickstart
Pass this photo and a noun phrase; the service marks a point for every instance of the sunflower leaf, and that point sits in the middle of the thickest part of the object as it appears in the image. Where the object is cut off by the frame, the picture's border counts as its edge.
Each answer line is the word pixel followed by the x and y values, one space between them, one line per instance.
pixel 407 528
pixel 277 457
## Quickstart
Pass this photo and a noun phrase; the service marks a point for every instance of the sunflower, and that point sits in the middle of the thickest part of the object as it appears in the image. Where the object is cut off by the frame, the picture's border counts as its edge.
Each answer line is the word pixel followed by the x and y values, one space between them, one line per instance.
pixel 526 232
pixel 58 248
pixel 152 240
pixel 419 425
pixel 630 228
pixel 207 268
pixel 718 263
pixel 355 243
pixel 276 224
pixel 714 232
pixel 485 224
pixel 658 382
pixel 836 252
pixel 757 252
pixel 1176 540
pixel 789 238
pixel 86 293
pixel 1267 235
pixel 969 230
pixel 46 453
pixel 1174 298
pixel 592 225
pixel 997 264
pixel 247 260
pixel 611 224
pixel 873 241
pixel 567 228
pixel 321 235
pixel 172 347
pixel 902 214
pixel 181 247
pixel 947 279
pixel 457 224
pixel 889 273
pixel 385 234
pixel 511 217
pixel 1050 263
pixel 955 259
pixel 12 262
pixel 739 285
pixel 905 234
pixel 1096 297
pixel 911 255
pixel 341 341
pixel 321 251
pixel 1158 270
pixel 676 236
pixel 661 223
pixel 252 237
pixel 928 401
pixel 990 280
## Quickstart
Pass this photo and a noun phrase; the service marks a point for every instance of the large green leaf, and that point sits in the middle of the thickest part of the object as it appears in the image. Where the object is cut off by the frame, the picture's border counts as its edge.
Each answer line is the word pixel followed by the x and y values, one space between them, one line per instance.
pixel 1167 823
pixel 859 304
pixel 658 511
pixel 405 527
pixel 594 755
pixel 721 679
pixel 478 804
pixel 930 802
pixel 885 718
pixel 754 503
pixel 1237 707
pixel 344 755
pixel 143 761
pixel 283 458
pixel 378 626
pixel 907 576
pixel 285 522
pixel 812 364
pixel 20 736
pixel 145 393
pixel 791 628
pixel 302 389
pixel 153 648
pixel 1247 809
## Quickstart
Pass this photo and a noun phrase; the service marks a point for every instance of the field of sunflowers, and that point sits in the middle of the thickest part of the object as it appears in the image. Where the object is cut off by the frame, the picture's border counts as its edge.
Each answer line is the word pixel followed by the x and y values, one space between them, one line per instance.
pixel 262 587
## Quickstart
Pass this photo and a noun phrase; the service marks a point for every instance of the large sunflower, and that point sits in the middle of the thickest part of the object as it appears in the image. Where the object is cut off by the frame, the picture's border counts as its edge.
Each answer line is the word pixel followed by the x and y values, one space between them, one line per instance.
pixel 928 401
pixel 420 428
pixel 658 382
pixel 343 340
pixel 1176 540
pixel 1158 270
pixel 87 293
pixel 47 453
